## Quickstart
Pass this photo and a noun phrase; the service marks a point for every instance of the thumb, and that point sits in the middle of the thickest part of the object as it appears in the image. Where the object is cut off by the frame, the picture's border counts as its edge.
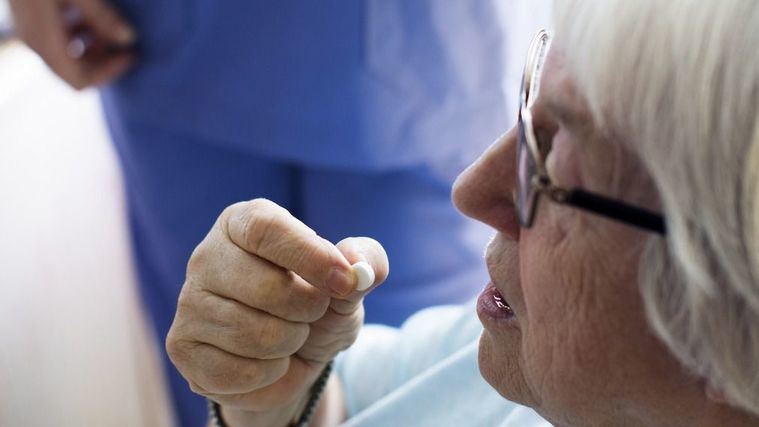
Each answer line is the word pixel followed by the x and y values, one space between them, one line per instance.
pixel 338 329
pixel 366 251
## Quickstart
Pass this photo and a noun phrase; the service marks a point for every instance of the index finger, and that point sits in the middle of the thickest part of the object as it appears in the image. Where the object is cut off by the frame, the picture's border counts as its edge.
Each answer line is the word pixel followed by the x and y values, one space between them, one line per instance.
pixel 263 228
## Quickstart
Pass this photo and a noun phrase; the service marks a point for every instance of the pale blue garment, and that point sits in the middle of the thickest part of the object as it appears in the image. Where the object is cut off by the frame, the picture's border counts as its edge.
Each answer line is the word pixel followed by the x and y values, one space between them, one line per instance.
pixel 425 374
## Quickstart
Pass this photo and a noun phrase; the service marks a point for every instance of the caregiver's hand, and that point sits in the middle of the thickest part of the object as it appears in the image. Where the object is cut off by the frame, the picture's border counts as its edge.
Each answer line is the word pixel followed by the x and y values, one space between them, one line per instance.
pixel 85 42
pixel 265 305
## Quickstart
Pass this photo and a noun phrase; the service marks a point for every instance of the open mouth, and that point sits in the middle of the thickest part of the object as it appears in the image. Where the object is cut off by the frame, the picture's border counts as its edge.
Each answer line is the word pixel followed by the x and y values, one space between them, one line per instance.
pixel 501 303
pixel 491 304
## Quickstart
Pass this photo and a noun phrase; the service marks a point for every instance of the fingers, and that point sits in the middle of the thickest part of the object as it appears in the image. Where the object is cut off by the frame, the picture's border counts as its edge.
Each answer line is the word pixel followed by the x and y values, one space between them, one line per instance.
pixel 288 389
pixel 262 228
pixel 358 249
pixel 334 332
pixel 105 22
pixel 258 316
pixel 243 331
pixel 222 268
pixel 47 27
pixel 370 251
pixel 41 26
pixel 338 328
pixel 210 370
pixel 104 39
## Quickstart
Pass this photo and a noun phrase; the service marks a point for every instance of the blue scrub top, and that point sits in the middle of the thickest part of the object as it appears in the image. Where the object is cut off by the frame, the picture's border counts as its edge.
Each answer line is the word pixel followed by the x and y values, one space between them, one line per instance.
pixel 368 85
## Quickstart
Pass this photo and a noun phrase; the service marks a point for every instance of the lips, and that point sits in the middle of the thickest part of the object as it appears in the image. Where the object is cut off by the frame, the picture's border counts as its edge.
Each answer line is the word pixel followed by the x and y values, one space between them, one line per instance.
pixel 502 303
pixel 492 305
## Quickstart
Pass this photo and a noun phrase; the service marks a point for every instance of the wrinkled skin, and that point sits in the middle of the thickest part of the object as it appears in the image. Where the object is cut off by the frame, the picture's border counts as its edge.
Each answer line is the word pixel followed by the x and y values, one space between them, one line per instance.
pixel 265 305
pixel 258 318
pixel 581 352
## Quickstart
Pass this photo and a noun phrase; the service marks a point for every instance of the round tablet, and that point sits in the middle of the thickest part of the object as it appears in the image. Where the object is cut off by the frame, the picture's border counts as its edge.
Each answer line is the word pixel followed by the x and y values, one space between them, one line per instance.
pixel 364 275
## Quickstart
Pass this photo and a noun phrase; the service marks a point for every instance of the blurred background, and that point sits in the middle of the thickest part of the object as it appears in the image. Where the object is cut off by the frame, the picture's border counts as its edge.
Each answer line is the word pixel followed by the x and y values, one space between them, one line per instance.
pixel 74 339
pixel 77 347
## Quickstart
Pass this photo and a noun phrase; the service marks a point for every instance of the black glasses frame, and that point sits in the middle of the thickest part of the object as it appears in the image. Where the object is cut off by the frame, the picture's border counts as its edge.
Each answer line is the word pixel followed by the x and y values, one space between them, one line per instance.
pixel 540 183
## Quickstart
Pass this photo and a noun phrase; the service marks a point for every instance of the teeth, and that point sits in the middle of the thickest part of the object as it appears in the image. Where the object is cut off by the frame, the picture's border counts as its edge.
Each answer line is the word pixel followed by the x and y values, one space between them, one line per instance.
pixel 500 303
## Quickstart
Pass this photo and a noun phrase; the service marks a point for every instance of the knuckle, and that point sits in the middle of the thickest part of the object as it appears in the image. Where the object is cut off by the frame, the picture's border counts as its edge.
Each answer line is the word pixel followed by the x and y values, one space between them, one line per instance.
pixel 178 351
pixel 262 333
pixel 279 338
pixel 222 377
pixel 226 313
pixel 261 222
pixel 311 306
pixel 185 303
pixel 260 203
pixel 286 295
pixel 195 388
pixel 268 336
pixel 199 260
pixel 271 281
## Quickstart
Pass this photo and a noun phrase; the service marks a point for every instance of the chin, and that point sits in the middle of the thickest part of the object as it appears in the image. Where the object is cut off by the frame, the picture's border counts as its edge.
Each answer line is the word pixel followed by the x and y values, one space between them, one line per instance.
pixel 500 370
pixel 485 360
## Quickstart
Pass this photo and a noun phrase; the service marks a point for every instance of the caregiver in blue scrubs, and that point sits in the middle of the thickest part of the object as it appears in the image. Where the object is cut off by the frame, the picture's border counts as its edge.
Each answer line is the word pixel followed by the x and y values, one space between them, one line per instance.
pixel 355 115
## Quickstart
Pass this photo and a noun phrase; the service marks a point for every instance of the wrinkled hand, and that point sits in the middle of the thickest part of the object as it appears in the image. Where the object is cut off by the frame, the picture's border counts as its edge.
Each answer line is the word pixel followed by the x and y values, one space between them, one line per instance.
pixel 265 305
pixel 85 42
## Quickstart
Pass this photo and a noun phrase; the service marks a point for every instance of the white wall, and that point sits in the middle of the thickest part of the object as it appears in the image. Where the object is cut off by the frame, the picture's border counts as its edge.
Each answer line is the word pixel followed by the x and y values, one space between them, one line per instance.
pixel 75 349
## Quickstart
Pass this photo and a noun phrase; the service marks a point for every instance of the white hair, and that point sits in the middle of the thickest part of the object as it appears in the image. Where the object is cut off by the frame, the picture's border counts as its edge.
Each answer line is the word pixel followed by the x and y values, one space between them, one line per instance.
pixel 679 80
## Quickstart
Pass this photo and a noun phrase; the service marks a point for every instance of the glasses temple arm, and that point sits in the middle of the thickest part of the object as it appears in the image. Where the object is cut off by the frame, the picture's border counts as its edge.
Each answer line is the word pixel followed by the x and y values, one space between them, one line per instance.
pixel 629 214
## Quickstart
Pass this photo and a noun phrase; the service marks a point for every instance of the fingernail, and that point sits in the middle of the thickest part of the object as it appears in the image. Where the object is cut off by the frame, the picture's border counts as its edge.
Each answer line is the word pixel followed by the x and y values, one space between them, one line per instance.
pixel 340 282
pixel 125 34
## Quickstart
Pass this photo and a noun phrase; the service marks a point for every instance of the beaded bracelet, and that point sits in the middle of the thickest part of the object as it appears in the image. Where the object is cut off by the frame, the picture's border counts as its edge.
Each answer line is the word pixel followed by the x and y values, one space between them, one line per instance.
pixel 214 409
pixel 316 392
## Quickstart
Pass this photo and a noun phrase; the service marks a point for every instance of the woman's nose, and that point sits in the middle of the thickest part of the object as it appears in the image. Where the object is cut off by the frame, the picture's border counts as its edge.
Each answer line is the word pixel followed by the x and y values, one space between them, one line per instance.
pixel 485 190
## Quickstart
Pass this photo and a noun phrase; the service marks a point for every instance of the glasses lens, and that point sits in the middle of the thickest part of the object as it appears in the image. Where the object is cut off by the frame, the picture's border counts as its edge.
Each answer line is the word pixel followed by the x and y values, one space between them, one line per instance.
pixel 527 166
pixel 526 169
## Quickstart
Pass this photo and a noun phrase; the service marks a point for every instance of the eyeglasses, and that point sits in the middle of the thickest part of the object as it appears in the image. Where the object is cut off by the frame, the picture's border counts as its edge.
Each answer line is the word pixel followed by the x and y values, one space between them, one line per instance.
pixel 532 176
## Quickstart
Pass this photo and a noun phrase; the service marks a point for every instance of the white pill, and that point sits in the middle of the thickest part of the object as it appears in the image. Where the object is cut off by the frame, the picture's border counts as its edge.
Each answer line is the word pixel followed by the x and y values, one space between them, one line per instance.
pixel 364 275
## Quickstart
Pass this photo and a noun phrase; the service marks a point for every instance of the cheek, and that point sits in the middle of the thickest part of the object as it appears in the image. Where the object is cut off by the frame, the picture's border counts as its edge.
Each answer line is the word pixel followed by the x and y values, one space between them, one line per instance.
pixel 582 320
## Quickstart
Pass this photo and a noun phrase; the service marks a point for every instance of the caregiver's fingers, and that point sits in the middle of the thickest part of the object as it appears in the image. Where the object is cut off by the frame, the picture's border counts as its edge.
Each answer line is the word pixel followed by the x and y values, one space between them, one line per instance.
pixel 40 25
pixel 267 230
pixel 106 21
pixel 108 68
pixel 47 26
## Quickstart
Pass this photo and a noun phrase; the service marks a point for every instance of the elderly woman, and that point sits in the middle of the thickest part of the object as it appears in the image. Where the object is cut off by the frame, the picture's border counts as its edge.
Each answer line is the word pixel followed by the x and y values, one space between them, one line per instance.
pixel 625 268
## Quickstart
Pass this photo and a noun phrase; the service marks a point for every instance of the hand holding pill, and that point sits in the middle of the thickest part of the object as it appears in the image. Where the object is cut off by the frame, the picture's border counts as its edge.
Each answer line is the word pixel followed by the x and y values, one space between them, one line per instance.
pixel 265 305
